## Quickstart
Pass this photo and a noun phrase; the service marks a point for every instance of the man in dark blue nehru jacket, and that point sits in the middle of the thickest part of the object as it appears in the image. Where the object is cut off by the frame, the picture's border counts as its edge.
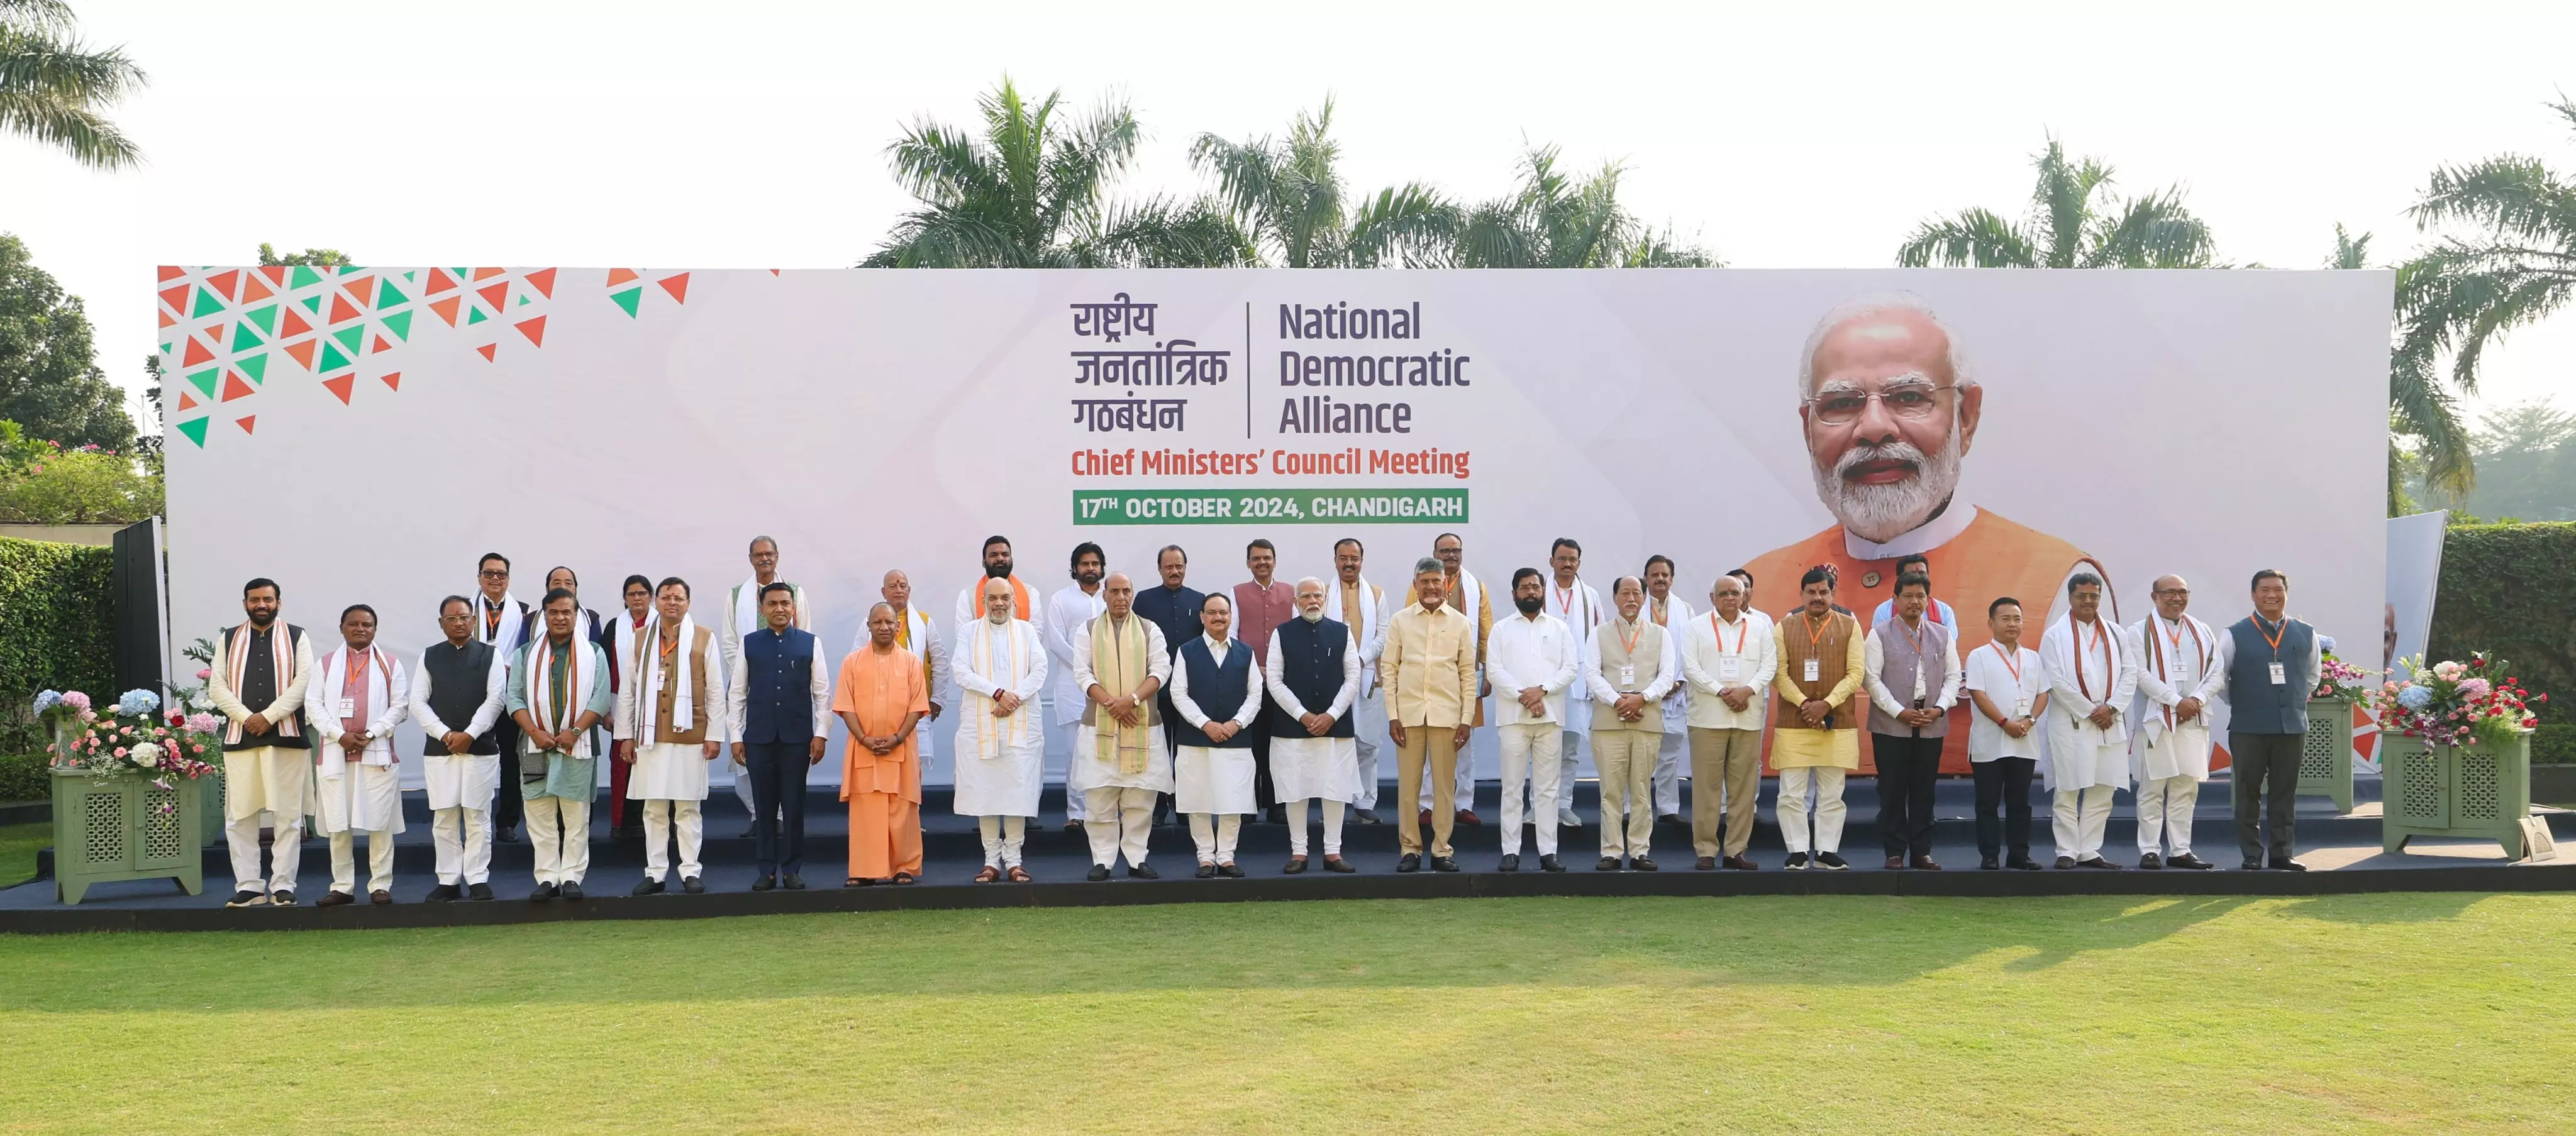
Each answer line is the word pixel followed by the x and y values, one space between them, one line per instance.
pixel 780 696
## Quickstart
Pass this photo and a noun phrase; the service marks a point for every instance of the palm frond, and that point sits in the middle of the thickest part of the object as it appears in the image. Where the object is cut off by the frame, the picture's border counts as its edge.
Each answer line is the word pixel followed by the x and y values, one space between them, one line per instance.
pixel 2154 231
pixel 1411 224
pixel 1976 238
pixel 2509 195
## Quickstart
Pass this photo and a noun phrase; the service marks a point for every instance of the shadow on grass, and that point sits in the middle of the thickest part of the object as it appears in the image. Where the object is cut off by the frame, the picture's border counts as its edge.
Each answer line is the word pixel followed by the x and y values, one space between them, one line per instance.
pixel 1337 945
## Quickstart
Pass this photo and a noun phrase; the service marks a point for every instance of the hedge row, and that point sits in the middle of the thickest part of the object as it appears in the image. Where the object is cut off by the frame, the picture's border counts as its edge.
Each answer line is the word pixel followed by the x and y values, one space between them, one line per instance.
pixel 23 777
pixel 2504 591
pixel 59 631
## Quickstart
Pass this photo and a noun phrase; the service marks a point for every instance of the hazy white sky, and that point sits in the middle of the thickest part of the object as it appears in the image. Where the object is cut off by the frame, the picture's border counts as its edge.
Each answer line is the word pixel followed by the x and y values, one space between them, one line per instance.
pixel 752 135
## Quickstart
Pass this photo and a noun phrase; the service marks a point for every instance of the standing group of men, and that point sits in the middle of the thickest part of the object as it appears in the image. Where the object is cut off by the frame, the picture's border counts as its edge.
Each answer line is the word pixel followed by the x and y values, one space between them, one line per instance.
pixel 1264 698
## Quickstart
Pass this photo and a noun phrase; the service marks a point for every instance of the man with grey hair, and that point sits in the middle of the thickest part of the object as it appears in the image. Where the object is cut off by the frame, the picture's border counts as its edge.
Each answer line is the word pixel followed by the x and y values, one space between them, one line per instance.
pixel 2092 672
pixel 1889 412
pixel 742 616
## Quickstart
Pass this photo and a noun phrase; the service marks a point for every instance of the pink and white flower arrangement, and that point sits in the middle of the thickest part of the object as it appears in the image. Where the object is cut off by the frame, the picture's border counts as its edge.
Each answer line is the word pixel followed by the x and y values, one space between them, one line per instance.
pixel 2454 703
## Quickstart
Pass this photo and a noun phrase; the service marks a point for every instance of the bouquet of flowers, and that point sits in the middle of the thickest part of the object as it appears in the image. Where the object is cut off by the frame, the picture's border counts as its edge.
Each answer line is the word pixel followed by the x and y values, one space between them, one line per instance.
pixel 133 737
pixel 2455 703
pixel 2345 682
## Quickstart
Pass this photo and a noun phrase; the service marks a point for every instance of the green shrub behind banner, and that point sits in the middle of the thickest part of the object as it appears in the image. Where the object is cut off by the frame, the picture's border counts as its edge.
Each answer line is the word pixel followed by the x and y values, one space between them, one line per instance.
pixel 2506 589
pixel 58 631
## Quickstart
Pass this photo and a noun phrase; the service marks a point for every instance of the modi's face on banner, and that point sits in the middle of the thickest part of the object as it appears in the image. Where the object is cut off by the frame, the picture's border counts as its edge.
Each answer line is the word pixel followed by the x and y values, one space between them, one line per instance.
pixel 1888 418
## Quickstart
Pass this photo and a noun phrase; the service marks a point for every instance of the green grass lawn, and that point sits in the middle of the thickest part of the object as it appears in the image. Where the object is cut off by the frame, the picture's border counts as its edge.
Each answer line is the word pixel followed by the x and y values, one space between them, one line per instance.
pixel 18 845
pixel 2428 1013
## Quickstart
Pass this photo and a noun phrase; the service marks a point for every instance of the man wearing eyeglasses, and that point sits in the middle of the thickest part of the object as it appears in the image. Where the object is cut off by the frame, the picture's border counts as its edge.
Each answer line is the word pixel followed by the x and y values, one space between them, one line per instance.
pixel 1889 412
pixel 501 621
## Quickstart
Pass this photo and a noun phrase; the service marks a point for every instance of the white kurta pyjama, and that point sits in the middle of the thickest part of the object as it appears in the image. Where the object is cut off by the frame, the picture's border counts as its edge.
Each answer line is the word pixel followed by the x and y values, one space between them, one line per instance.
pixel 1325 769
pixel 2080 754
pixel 1214 779
pixel 2186 654
pixel 1089 771
pixel 464 780
pixel 1000 762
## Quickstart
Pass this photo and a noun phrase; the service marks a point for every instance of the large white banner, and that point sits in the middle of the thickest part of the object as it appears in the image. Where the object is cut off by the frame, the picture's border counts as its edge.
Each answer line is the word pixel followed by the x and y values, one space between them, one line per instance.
pixel 365 434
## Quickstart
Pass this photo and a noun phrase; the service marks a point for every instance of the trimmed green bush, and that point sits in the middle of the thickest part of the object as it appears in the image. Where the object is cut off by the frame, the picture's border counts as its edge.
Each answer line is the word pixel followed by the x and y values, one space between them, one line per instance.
pixel 2504 591
pixel 2554 744
pixel 23 777
pixel 61 625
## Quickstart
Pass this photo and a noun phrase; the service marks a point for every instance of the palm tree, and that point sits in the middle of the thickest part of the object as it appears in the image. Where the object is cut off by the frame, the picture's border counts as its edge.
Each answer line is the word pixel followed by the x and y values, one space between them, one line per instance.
pixel 1555 220
pixel 2425 437
pixel 52 89
pixel 1030 192
pixel 1292 201
pixel 2073 223
pixel 2515 268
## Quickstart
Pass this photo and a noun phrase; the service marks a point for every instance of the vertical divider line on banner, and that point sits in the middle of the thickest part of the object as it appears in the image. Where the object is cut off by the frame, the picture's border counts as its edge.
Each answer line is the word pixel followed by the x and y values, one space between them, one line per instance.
pixel 1247 370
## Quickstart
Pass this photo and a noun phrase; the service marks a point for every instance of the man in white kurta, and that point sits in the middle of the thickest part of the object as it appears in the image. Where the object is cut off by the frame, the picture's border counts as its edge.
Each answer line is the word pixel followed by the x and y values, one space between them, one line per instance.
pixel 359 694
pixel 257 682
pixel 1534 662
pixel 1212 783
pixel 742 617
pixel 671 721
pixel 1729 659
pixel 1673 614
pixel 1307 761
pixel 1000 665
pixel 1068 611
pixel 460 763
pixel 2169 742
pixel 558 691
pixel 2090 679
pixel 1578 606
pixel 1119 754
pixel 1362 606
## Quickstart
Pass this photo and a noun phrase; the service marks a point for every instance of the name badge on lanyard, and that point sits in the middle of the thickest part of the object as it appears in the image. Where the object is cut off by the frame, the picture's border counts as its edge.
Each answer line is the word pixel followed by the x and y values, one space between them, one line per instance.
pixel 1628 674
pixel 348 706
pixel 2021 706
pixel 2280 675
pixel 1815 670
pixel 1730 668
pixel 661 682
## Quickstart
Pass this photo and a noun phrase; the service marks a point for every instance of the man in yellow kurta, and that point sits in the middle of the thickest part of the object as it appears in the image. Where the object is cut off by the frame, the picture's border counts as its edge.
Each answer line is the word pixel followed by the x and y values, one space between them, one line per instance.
pixel 1815 737
pixel 881 697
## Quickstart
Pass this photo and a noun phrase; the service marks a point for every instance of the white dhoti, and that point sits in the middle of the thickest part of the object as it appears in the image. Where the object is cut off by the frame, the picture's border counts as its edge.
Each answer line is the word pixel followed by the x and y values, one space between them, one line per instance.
pixel 359 798
pixel 2171 762
pixel 2086 765
pixel 1315 769
pixel 270 780
pixel 1005 784
pixel 1118 805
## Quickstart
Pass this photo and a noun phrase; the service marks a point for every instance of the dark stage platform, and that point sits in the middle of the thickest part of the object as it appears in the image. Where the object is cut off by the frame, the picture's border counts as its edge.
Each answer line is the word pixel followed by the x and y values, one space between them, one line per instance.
pixel 2342 851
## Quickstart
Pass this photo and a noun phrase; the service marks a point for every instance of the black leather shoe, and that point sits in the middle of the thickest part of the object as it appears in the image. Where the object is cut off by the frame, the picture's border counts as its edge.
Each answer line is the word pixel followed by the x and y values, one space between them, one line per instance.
pixel 2251 864
pixel 2022 864
pixel 2151 863
pixel 2098 864
pixel 1989 864
pixel 1409 862
pixel 1296 866
pixel 1366 816
pixel 1607 864
pixel 694 886
pixel 381 898
pixel 1511 862
pixel 2286 864
pixel 2066 863
pixel 478 892
pixel 1205 872
pixel 1672 819
pixel 792 882
pixel 1337 864
pixel 334 899
pixel 748 832
pixel 543 893
pixel 764 883
pixel 1740 863
pixel 570 891
pixel 1230 871
pixel 443 893
pixel 648 887
pixel 1704 864
pixel 1444 864
pixel 1143 872
pixel 2190 862
pixel 1099 873
pixel 1642 863
pixel 1549 863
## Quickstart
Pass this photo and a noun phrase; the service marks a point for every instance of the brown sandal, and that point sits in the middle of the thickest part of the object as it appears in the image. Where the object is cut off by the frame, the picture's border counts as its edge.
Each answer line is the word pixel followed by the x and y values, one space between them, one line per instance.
pixel 1019 875
pixel 856 882
pixel 903 878
pixel 988 875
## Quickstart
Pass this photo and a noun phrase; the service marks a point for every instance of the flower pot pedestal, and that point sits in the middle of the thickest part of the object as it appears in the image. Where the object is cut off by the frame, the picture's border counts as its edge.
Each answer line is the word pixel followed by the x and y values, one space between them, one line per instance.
pixel 2325 755
pixel 2475 790
pixel 122 827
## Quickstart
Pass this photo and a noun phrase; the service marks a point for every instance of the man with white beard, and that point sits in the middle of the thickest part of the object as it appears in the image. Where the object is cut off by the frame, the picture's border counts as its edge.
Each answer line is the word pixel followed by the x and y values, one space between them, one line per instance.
pixel 1889 412
pixel 2090 678
pixel 2178 679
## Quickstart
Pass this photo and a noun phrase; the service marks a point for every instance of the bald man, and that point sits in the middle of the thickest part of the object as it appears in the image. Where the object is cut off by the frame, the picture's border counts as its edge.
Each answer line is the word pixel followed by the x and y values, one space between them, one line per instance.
pixel 2169 743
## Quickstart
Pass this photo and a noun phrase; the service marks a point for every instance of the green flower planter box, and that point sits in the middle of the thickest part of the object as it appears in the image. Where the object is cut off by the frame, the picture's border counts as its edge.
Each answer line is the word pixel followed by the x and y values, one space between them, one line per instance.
pixel 2325 756
pixel 2476 790
pixel 124 828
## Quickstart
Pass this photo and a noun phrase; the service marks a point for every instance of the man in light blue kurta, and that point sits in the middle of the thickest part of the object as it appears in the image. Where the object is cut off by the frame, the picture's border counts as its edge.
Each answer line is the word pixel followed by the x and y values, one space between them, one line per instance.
pixel 558 690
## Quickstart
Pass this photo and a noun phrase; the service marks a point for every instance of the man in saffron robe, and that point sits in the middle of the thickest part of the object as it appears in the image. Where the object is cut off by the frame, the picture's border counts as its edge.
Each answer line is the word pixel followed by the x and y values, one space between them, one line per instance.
pixel 882 696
